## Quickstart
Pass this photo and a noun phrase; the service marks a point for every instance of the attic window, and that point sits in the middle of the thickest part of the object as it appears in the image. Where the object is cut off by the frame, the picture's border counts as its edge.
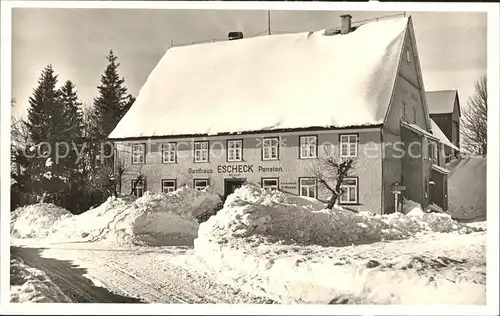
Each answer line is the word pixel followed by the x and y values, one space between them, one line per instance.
pixel 408 56
pixel 403 111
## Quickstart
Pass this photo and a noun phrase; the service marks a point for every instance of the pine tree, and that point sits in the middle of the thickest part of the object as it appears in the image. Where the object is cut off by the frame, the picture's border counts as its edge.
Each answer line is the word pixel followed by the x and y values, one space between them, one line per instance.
pixel 45 124
pixel 43 104
pixel 72 111
pixel 113 100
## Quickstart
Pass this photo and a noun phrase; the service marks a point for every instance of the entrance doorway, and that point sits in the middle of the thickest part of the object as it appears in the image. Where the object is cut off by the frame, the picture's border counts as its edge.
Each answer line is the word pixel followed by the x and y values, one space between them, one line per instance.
pixel 230 185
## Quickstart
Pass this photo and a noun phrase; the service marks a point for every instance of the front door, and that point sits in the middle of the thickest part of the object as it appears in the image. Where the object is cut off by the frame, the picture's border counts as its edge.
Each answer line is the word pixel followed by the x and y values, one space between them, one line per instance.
pixel 230 185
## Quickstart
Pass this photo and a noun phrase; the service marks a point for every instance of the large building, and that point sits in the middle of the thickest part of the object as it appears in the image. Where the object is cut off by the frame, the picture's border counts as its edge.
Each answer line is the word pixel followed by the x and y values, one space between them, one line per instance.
pixel 267 109
pixel 444 110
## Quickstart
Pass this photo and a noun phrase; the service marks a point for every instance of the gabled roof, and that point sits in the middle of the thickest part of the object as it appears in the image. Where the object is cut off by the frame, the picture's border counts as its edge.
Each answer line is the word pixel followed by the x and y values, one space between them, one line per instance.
pixel 436 131
pixel 270 83
pixel 441 102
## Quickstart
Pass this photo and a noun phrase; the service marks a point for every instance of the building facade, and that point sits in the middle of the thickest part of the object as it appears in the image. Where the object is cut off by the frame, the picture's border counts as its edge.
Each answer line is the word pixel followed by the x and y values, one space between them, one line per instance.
pixel 444 107
pixel 388 133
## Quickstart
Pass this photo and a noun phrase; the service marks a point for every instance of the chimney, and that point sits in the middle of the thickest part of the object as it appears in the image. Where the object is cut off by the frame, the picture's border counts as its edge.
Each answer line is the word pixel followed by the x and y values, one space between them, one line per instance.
pixel 235 35
pixel 345 24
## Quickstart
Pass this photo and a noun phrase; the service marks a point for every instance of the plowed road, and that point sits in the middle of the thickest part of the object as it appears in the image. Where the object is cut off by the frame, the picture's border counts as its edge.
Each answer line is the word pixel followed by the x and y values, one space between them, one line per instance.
pixel 89 273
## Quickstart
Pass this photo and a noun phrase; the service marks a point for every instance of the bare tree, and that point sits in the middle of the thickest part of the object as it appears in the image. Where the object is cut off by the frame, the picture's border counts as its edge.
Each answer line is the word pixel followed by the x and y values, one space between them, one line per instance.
pixel 331 172
pixel 474 119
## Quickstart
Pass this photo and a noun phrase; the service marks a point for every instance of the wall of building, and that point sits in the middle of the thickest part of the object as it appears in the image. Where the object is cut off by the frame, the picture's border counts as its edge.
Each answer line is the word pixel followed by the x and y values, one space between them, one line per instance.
pixel 289 168
pixel 412 166
pixel 392 171
pixel 403 163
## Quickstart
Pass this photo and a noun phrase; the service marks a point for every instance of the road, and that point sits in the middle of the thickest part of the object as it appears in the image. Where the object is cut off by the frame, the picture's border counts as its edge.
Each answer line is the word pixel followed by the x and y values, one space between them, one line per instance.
pixel 90 273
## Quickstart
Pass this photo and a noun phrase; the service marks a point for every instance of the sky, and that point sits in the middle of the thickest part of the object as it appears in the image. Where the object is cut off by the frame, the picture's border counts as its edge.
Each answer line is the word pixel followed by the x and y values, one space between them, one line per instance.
pixel 451 45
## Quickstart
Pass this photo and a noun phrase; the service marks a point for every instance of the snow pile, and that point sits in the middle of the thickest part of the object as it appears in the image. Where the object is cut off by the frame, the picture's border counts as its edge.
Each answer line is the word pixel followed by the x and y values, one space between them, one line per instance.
pixel 275 215
pixel 467 188
pixel 286 248
pixel 159 219
pixel 36 220
pixel 29 285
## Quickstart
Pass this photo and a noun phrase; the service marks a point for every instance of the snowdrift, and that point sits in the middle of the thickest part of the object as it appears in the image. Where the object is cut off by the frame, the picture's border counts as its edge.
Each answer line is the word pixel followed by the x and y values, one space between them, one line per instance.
pixel 467 188
pixel 153 219
pixel 280 217
pixel 287 248
pixel 36 221
pixel 30 285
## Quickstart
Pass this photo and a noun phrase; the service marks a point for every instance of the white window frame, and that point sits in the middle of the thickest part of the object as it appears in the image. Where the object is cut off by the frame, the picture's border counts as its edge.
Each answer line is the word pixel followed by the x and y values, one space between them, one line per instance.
pixel 138 153
pixel 169 150
pixel 235 150
pixel 138 187
pixel 268 148
pixel 346 188
pixel 308 146
pixel 348 144
pixel 199 187
pixel 168 189
pixel 271 187
pixel 310 187
pixel 201 153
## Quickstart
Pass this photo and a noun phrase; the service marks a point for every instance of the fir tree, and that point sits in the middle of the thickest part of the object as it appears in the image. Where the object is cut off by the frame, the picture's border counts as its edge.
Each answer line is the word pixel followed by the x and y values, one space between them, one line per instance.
pixel 43 104
pixel 45 124
pixel 72 111
pixel 113 100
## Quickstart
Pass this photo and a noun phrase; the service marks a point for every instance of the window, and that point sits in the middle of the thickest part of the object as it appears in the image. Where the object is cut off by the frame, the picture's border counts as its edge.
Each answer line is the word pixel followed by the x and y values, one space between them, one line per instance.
pixel 201 151
pixel 403 111
pixel 408 56
pixel 138 187
pixel 349 191
pixel 200 184
pixel 414 118
pixel 432 151
pixel 168 152
pixel 138 153
pixel 168 186
pixel 270 184
pixel 308 187
pixel 270 148
pixel 349 145
pixel 308 146
pixel 234 150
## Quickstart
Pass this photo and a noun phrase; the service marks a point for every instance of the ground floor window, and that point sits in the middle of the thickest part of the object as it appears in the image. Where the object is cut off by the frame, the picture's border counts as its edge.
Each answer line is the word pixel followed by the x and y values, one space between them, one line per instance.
pixel 168 185
pixel 270 184
pixel 200 184
pixel 349 191
pixel 308 187
pixel 138 187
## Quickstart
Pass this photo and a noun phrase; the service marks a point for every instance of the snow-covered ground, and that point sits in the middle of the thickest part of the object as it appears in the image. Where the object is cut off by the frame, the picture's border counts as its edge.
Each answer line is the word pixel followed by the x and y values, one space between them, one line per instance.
pixel 153 219
pixel 290 250
pixel 467 188
pixel 261 247
pixel 30 285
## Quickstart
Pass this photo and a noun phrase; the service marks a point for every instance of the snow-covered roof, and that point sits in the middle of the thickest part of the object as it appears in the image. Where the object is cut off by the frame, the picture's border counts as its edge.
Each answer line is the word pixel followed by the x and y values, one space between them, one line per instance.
pixel 436 131
pixel 440 169
pixel 270 82
pixel 417 129
pixel 441 102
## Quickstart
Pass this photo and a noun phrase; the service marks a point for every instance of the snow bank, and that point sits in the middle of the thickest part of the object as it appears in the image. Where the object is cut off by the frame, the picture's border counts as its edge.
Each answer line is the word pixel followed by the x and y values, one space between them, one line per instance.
pixel 30 285
pixel 36 220
pixel 158 219
pixel 252 210
pixel 467 188
pixel 271 244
